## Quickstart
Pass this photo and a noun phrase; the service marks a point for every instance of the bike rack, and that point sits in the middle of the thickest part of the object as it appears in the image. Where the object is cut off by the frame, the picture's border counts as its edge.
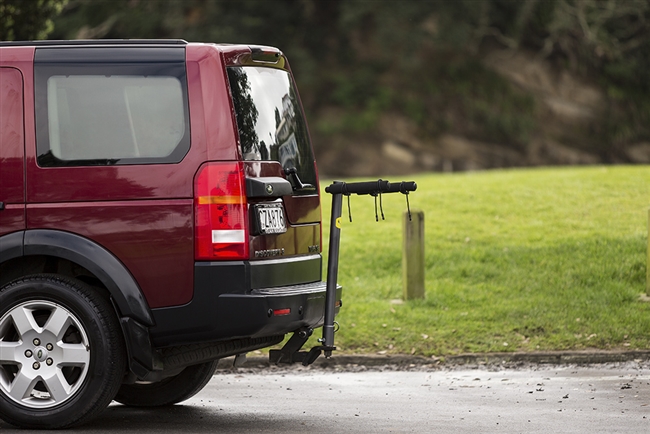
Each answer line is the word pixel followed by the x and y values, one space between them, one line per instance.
pixel 291 353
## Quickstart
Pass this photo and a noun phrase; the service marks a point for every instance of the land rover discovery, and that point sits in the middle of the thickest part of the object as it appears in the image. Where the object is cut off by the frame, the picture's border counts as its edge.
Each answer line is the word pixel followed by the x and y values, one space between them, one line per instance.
pixel 159 211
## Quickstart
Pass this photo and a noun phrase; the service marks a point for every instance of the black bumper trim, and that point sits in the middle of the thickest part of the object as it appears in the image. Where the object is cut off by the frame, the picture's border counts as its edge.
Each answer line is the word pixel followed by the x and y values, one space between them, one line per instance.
pixel 223 308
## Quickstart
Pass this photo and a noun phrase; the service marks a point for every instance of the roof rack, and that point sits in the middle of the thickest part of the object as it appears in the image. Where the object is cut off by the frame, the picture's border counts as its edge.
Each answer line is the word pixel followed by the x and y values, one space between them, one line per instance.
pixel 96 42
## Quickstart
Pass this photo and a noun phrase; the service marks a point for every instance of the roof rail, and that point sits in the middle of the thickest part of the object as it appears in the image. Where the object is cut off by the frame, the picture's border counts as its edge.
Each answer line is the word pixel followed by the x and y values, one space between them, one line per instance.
pixel 78 42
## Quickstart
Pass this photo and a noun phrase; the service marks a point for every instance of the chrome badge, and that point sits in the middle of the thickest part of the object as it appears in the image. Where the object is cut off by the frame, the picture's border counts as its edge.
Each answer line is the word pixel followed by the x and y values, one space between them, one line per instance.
pixel 269 253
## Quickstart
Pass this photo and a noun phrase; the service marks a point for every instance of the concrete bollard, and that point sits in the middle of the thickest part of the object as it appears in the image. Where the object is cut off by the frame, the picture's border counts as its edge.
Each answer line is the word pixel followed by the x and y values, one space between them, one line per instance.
pixel 413 255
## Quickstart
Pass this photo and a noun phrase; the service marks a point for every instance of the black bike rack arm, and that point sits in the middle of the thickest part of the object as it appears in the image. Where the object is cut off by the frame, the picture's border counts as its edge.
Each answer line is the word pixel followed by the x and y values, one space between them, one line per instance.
pixel 290 352
pixel 332 272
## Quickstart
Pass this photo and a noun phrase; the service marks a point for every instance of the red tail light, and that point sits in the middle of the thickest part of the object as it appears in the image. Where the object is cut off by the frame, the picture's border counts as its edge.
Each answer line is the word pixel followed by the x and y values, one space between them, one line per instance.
pixel 220 213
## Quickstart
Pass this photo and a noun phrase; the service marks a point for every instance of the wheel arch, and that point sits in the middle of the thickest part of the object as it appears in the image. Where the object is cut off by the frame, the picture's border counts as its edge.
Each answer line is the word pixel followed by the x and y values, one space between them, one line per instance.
pixel 100 263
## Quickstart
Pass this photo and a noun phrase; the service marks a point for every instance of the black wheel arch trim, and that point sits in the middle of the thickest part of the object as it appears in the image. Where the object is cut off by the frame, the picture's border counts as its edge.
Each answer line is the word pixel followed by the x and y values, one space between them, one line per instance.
pixel 11 246
pixel 90 255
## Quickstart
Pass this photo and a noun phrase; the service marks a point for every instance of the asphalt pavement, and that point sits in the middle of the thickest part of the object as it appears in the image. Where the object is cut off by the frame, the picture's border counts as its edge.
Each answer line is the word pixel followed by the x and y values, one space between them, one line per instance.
pixel 480 396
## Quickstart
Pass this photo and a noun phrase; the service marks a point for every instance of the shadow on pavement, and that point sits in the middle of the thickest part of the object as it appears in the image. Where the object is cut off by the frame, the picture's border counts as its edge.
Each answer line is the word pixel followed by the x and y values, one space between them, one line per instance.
pixel 179 418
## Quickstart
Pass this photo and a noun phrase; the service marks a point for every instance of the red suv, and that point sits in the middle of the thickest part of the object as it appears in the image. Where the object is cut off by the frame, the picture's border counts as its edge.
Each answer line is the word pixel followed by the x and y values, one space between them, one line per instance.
pixel 159 210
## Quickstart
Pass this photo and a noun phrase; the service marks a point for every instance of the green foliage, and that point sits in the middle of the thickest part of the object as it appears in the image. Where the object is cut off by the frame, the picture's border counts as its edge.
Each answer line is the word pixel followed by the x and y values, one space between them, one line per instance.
pixel 476 100
pixel 418 57
pixel 26 20
pixel 611 39
pixel 362 99
pixel 548 259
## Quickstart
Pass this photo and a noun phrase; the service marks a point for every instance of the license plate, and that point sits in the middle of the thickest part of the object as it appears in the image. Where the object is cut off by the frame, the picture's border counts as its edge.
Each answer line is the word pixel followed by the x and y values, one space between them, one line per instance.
pixel 270 219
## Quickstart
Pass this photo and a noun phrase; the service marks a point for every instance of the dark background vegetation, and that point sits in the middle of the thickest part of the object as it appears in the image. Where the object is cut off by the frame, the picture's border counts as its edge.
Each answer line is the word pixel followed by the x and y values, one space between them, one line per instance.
pixel 417 85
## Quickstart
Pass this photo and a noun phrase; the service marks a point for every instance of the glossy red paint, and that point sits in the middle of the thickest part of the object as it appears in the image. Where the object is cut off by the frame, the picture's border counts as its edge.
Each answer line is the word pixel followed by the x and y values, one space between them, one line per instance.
pixel 156 246
pixel 15 67
pixel 213 122
pixel 145 216
pixel 12 180
pixel 211 104
pixel 303 212
pixel 122 175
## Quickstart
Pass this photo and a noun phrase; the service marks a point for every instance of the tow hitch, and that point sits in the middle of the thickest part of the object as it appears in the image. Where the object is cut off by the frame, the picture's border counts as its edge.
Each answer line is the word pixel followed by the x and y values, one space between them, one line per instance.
pixel 290 352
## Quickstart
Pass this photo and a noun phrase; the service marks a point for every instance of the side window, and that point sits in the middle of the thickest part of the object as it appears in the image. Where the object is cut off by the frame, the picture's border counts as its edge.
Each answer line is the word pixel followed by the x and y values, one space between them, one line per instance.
pixel 116 117
pixel 110 114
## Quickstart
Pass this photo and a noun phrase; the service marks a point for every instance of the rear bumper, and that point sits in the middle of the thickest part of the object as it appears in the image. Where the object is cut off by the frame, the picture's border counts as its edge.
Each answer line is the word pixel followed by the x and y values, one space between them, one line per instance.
pixel 226 305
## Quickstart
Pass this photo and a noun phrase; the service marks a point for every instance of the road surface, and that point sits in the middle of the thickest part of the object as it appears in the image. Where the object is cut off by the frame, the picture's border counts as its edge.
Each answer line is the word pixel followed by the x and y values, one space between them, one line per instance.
pixel 564 399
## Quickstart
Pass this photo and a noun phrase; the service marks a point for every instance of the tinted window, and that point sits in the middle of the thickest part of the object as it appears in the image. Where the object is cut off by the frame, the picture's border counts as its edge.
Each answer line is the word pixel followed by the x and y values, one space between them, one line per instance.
pixel 271 124
pixel 111 114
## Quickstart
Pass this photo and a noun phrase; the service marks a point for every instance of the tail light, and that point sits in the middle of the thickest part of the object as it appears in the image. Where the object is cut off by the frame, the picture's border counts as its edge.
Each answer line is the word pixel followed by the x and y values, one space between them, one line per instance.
pixel 220 214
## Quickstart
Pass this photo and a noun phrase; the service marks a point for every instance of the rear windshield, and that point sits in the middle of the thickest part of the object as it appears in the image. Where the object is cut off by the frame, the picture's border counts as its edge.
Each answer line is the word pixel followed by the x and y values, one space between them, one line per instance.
pixel 271 124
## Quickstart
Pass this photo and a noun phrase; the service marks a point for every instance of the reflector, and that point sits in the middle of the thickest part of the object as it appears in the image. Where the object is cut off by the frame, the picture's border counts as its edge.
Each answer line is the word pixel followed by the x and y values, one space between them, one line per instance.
pixel 281 312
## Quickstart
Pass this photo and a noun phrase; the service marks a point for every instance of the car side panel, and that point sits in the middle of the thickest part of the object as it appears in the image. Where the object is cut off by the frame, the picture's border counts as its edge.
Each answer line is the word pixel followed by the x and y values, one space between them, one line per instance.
pixel 12 152
pixel 152 238
pixel 210 107
pixel 141 214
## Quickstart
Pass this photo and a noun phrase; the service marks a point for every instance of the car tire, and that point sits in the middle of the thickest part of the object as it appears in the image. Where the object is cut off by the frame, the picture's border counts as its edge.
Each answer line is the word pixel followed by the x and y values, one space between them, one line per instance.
pixel 170 390
pixel 62 354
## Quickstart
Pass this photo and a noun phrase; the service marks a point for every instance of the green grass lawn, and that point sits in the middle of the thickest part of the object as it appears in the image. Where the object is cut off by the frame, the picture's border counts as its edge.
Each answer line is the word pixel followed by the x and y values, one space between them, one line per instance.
pixel 516 260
